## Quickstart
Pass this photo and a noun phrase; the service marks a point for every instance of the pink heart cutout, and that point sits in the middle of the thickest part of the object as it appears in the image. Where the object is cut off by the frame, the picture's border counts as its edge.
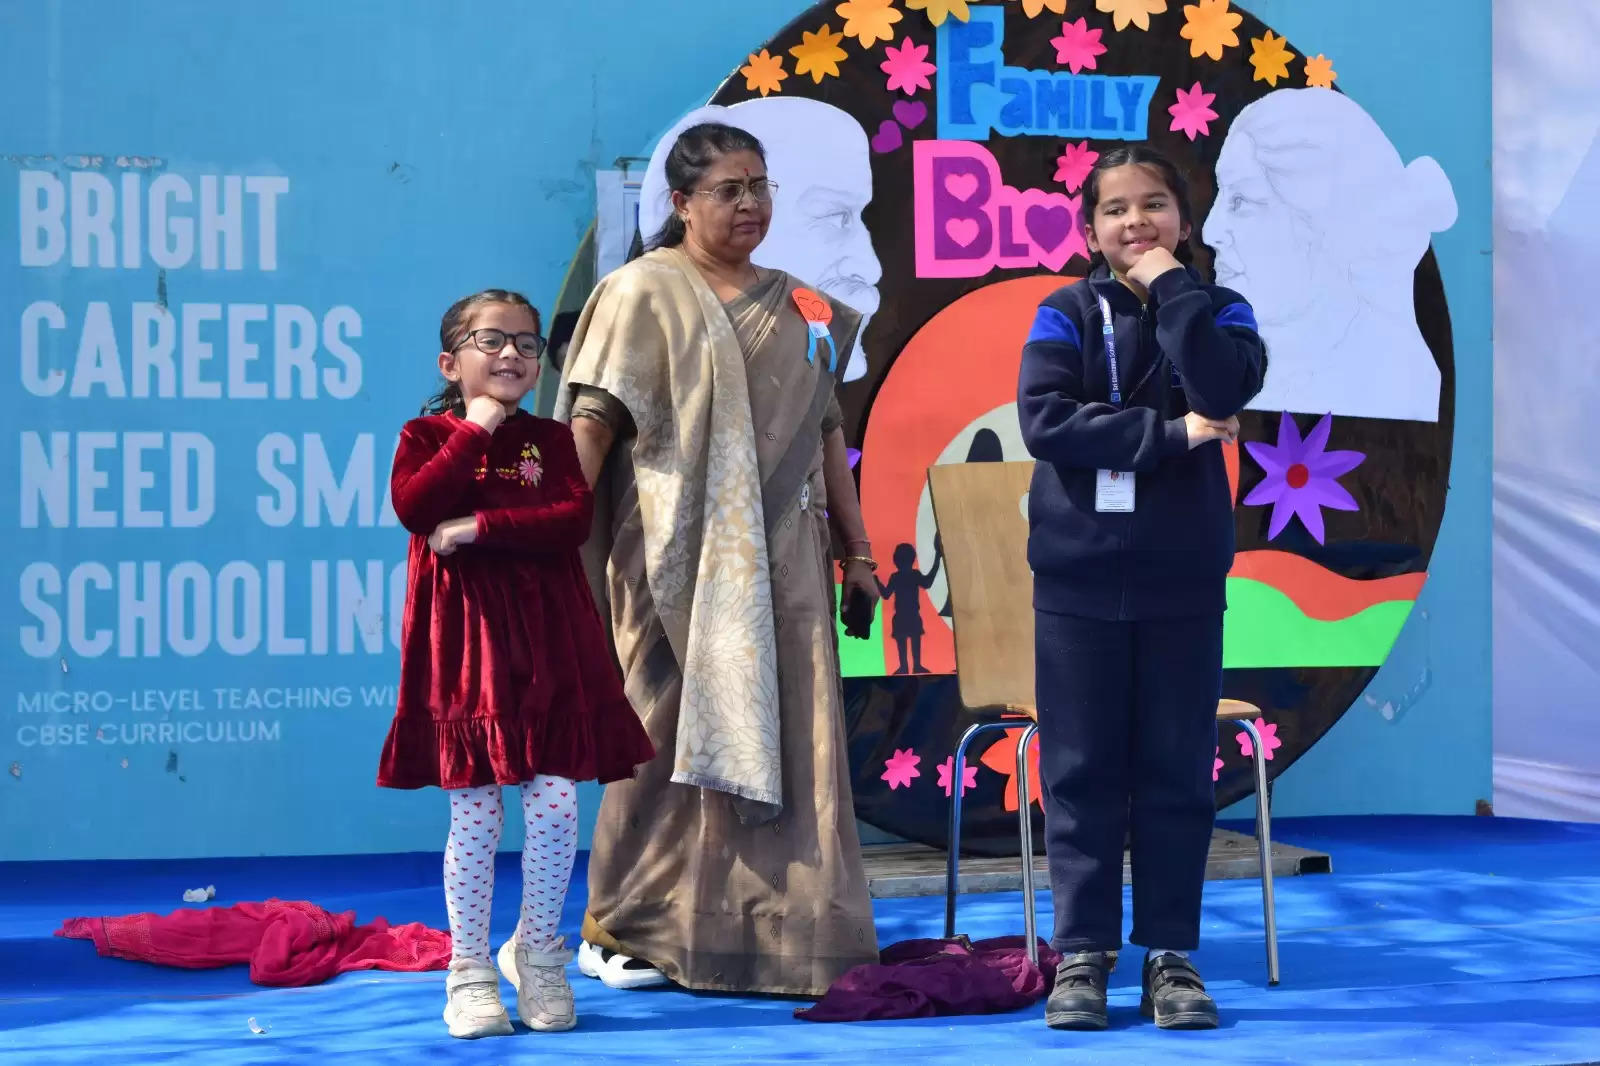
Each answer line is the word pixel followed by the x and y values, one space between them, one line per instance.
pixel 962 187
pixel 962 230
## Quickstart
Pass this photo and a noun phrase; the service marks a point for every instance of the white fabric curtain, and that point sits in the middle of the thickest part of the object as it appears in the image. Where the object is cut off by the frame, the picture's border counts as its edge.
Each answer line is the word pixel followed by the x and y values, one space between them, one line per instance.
pixel 1547 409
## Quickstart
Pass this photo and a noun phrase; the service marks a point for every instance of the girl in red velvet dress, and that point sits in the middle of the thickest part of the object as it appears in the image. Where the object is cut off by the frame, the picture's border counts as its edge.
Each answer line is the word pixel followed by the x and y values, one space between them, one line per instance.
pixel 506 677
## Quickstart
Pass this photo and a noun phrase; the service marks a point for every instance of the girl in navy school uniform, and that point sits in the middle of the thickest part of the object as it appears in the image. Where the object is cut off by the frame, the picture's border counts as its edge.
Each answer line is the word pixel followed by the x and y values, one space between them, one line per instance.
pixel 1131 381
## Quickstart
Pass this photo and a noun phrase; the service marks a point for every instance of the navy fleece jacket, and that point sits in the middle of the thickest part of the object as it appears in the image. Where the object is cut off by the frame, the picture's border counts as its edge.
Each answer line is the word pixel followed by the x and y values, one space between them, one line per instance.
pixel 1193 347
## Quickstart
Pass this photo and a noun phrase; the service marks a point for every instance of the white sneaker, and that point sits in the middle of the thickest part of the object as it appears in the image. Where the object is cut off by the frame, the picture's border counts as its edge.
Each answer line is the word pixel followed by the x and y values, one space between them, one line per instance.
pixel 472 1007
pixel 544 999
pixel 618 971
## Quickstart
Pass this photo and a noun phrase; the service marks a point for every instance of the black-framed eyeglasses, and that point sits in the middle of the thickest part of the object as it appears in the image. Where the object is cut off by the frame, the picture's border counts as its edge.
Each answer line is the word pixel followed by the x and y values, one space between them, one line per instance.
pixel 491 341
pixel 732 193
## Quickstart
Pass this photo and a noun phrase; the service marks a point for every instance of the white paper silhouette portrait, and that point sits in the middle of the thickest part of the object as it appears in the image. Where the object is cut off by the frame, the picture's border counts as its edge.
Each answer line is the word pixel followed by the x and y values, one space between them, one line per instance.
pixel 819 158
pixel 1320 224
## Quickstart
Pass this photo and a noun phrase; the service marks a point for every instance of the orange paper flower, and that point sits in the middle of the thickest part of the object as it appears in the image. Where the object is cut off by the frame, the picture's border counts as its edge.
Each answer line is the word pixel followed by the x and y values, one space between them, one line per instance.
pixel 1034 8
pixel 1135 12
pixel 869 21
pixel 1270 56
pixel 818 54
pixel 939 10
pixel 764 72
pixel 1320 72
pixel 1209 28
pixel 1002 759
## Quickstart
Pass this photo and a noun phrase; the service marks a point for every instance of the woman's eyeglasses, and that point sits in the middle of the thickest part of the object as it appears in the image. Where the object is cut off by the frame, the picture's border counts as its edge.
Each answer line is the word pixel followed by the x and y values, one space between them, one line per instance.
pixel 492 341
pixel 732 193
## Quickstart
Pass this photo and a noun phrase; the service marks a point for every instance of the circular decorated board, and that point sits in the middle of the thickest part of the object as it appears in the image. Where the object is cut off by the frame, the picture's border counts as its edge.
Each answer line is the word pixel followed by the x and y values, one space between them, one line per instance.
pixel 931 156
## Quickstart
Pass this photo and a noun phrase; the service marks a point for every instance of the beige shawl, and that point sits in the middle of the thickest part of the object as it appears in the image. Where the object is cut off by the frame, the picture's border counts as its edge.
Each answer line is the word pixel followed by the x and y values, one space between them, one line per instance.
pixel 655 336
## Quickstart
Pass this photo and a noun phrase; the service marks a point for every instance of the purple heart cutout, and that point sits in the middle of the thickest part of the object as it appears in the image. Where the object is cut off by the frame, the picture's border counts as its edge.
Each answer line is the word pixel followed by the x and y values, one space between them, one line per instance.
pixel 1049 226
pixel 910 113
pixel 888 138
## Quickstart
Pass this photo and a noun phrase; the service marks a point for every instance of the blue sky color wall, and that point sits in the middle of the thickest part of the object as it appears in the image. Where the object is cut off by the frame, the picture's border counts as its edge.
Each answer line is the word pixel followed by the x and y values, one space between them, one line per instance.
pixel 350 170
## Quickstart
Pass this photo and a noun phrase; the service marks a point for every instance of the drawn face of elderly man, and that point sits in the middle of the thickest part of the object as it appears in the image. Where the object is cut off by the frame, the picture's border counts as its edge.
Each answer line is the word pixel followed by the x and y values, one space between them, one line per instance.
pixel 819 158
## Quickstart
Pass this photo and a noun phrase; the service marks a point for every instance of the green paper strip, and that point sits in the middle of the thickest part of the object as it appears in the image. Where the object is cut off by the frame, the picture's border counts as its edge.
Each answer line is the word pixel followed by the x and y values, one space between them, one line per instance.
pixel 859 658
pixel 1264 628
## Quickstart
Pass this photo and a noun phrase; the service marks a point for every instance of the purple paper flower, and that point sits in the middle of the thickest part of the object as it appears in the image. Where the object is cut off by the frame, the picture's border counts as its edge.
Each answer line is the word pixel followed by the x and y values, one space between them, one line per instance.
pixel 1300 476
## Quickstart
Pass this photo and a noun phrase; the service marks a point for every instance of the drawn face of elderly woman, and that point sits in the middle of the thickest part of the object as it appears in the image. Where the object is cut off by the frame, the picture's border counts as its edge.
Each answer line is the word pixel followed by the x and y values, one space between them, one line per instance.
pixel 1320 224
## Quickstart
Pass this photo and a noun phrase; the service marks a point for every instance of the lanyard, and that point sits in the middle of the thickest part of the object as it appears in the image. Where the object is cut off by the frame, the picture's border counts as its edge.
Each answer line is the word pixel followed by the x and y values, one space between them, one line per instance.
pixel 1108 333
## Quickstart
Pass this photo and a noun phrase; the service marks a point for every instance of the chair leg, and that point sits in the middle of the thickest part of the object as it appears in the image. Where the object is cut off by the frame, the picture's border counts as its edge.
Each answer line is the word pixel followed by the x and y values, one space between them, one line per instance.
pixel 953 858
pixel 1264 845
pixel 1025 838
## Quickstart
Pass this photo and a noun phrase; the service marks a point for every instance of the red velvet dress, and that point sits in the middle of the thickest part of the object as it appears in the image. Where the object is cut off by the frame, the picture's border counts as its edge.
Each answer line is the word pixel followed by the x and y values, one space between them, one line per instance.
pixel 505 670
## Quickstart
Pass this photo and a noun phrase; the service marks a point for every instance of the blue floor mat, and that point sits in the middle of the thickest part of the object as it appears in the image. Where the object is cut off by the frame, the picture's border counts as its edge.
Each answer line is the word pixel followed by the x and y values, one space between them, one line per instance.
pixel 1436 940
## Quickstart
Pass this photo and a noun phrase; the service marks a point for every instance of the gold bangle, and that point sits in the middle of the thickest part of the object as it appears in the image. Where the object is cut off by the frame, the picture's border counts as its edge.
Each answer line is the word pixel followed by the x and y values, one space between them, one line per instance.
pixel 865 560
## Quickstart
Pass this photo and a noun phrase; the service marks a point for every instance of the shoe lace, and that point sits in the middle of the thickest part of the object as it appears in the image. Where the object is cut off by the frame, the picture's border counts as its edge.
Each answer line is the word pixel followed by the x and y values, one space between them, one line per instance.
pixel 546 978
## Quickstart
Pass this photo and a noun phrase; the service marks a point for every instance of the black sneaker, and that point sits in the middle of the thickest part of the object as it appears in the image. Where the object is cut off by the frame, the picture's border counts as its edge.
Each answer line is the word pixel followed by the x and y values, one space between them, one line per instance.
pixel 1175 996
pixel 1078 1000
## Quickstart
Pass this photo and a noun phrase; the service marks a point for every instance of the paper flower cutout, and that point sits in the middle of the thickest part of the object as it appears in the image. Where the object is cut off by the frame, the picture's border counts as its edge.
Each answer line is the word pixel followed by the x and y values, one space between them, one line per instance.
pixel 1034 8
pixel 1192 113
pixel 1072 169
pixel 1078 46
pixel 1002 759
pixel 818 54
pixel 939 10
pixel 908 67
pixel 869 21
pixel 969 776
pixel 1136 12
pixel 765 72
pixel 1319 72
pixel 1300 476
pixel 1208 27
pixel 900 768
pixel 1269 740
pixel 854 455
pixel 1270 56
pixel 1216 765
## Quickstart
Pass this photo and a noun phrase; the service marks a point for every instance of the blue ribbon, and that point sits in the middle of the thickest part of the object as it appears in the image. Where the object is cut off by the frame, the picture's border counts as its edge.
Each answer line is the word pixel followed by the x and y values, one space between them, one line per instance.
pixel 811 348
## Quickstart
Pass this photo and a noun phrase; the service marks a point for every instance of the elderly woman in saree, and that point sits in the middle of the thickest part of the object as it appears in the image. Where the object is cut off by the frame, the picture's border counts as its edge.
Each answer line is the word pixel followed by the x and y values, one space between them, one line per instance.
pixel 700 389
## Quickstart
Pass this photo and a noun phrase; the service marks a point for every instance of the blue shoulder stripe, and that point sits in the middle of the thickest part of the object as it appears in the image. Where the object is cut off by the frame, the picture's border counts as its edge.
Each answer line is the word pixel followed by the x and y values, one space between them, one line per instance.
pixel 1051 326
pixel 1238 314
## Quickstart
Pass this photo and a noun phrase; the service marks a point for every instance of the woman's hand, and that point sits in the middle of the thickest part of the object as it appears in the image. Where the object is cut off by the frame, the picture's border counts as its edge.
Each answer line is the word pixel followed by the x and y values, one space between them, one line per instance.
pixel 1202 429
pixel 486 412
pixel 858 576
pixel 453 533
pixel 1151 265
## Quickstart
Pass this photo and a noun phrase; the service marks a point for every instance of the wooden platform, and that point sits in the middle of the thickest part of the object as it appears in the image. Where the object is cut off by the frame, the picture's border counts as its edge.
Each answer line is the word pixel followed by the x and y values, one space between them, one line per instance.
pixel 897 870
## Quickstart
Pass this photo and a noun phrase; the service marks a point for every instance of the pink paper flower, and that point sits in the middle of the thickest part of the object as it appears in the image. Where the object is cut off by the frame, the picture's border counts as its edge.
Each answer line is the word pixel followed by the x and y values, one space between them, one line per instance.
pixel 900 768
pixel 1072 169
pixel 1301 476
pixel 1078 46
pixel 1192 113
pixel 908 67
pixel 969 776
pixel 1216 767
pixel 1269 740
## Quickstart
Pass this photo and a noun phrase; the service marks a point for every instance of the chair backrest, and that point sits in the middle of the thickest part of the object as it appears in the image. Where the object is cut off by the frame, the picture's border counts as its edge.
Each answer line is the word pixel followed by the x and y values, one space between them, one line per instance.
pixel 981 513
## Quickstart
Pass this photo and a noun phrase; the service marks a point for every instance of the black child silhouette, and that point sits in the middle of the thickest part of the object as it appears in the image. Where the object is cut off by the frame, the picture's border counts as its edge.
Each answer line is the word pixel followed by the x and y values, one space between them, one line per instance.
pixel 905 587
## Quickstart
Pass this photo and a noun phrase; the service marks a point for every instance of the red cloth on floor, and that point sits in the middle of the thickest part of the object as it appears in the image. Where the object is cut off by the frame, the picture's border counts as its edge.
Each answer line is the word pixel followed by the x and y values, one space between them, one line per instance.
pixel 288 943
pixel 933 978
